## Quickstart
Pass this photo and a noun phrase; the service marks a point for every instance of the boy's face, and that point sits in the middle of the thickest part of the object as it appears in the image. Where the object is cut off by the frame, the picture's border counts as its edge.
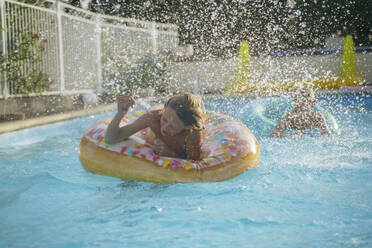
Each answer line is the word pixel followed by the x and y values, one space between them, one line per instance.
pixel 170 123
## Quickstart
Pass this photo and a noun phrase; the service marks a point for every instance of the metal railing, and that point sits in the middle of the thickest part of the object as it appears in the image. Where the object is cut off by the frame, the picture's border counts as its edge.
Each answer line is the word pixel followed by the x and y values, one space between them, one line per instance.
pixel 80 48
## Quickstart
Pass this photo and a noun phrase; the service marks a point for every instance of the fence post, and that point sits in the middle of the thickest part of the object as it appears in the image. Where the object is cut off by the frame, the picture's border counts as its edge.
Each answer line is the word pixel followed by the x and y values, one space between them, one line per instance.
pixel 154 38
pixel 60 47
pixel 99 51
pixel 5 89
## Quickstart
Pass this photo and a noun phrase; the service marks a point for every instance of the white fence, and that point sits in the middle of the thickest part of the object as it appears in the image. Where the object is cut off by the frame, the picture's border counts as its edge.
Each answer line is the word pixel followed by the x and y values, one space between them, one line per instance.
pixel 81 48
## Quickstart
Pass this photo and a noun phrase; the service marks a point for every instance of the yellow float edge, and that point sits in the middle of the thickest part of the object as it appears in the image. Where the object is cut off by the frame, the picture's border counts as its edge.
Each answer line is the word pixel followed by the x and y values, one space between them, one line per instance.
pixel 98 160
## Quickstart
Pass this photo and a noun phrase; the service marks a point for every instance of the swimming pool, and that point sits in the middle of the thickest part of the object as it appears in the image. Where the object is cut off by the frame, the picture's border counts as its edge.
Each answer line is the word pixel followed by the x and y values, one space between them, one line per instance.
pixel 312 192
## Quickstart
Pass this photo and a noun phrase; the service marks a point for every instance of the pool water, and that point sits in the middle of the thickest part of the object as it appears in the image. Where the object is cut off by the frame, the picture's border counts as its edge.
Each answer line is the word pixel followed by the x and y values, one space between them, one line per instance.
pixel 311 192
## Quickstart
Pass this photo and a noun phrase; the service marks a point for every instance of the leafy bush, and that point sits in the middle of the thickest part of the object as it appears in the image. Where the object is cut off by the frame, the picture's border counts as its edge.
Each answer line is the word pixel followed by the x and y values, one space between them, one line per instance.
pixel 22 65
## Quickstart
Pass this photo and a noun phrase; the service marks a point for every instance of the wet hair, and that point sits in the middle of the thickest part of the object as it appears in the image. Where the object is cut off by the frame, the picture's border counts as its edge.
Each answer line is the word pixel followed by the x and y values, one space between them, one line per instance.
pixel 305 95
pixel 188 108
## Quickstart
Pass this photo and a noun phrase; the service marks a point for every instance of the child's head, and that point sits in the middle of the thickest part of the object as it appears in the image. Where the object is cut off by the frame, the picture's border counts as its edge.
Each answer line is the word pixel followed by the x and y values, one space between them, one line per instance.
pixel 304 98
pixel 182 112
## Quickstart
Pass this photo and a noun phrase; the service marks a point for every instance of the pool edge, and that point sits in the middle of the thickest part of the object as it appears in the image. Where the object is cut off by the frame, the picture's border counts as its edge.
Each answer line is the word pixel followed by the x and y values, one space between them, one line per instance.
pixel 12 126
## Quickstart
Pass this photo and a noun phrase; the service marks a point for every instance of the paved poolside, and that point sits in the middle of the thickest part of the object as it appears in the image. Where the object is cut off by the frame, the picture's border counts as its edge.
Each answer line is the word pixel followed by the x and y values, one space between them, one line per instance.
pixel 11 126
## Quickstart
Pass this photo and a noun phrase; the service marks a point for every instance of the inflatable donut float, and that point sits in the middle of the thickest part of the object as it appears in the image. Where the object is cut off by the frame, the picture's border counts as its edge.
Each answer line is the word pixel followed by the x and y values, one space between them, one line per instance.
pixel 228 150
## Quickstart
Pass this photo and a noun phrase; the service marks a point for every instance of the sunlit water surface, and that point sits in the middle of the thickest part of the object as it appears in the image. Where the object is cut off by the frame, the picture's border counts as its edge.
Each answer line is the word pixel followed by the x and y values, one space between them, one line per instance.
pixel 311 192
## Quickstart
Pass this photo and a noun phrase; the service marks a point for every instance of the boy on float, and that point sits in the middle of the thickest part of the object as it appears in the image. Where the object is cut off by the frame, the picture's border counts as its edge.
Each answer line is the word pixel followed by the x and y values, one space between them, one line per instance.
pixel 302 117
pixel 178 128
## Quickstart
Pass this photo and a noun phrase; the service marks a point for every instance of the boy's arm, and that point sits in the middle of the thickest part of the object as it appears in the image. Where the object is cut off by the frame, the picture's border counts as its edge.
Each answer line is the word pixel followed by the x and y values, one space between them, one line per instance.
pixel 113 128
pixel 193 144
pixel 322 124
pixel 161 149
pixel 281 127
pixel 114 134
pixel 125 102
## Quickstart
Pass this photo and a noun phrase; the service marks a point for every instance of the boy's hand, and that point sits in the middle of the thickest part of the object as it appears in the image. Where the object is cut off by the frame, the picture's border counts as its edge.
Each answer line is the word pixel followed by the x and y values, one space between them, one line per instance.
pixel 125 102
pixel 161 149
pixel 158 146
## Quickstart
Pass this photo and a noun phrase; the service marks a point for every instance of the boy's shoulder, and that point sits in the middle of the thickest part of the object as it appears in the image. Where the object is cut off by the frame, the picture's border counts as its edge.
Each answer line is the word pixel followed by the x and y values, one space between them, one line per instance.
pixel 156 113
pixel 152 116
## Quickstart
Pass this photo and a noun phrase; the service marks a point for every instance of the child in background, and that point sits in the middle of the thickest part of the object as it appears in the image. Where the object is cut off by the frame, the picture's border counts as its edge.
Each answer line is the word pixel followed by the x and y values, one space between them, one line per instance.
pixel 178 128
pixel 302 117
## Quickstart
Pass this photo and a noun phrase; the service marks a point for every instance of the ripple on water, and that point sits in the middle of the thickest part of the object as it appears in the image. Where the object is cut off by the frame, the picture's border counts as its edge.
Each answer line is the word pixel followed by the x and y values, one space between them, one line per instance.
pixel 305 192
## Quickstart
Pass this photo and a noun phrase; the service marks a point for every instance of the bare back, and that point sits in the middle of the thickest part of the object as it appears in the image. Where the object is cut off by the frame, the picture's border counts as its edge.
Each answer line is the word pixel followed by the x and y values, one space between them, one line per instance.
pixel 297 120
pixel 303 121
